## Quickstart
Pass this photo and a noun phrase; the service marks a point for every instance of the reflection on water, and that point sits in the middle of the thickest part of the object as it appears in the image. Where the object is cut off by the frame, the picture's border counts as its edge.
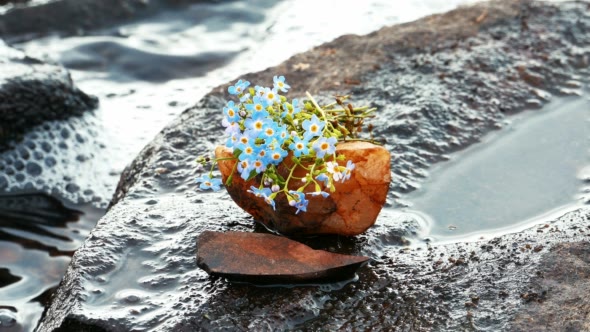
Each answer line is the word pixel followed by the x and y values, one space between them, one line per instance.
pixel 528 169
pixel 38 234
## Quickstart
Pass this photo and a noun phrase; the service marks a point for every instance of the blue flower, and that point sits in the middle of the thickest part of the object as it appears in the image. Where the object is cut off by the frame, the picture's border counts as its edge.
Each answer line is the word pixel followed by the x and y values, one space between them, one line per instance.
pixel 231 127
pixel 271 96
pixel 269 130
pixel 259 90
pixel 259 166
pixel 262 154
pixel 300 203
pixel 232 140
pixel 244 167
pixel 292 109
pixel 256 123
pixel 323 178
pixel 348 170
pixel 244 97
pixel 323 146
pixel 257 106
pixel 238 88
pixel 281 134
pixel 208 183
pixel 277 154
pixel 279 83
pixel 260 192
pixel 244 139
pixel 317 193
pixel 299 146
pixel 264 193
pixel 231 112
pixel 248 153
pixel 270 202
pixel 312 127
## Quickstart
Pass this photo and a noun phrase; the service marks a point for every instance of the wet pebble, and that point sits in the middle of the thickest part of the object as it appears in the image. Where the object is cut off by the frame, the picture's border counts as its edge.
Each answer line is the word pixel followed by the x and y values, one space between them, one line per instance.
pixel 50 161
pixel 65 133
pixel 72 188
pixel 46 147
pixel 7 318
pixel 131 299
pixel 34 169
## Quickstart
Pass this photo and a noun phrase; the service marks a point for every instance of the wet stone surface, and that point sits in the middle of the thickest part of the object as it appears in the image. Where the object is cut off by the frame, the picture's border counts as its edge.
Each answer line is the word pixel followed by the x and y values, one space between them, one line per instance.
pixel 440 83
pixel 32 92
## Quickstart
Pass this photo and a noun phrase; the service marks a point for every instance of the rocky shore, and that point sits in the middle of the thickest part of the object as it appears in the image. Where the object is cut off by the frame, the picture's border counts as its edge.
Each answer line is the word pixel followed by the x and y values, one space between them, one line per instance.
pixel 32 92
pixel 440 83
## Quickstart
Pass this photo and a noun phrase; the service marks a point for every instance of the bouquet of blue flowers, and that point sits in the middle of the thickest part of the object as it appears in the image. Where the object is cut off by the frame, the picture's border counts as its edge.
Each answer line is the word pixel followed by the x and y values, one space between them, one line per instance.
pixel 265 129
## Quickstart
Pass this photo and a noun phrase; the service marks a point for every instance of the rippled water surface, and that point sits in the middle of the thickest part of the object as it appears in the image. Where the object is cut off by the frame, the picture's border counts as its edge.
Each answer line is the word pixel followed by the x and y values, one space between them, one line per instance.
pixel 144 73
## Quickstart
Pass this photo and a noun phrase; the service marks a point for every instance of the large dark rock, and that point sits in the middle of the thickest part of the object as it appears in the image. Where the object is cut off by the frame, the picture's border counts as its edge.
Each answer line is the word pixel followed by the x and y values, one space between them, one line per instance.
pixel 32 92
pixel 441 83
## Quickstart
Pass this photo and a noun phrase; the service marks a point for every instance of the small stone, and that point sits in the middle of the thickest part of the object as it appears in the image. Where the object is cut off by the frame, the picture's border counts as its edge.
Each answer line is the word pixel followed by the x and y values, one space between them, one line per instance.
pixel 266 259
pixel 7 318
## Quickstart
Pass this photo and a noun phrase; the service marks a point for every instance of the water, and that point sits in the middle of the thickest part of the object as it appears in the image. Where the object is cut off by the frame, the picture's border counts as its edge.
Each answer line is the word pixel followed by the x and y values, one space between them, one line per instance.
pixel 38 235
pixel 145 73
pixel 521 175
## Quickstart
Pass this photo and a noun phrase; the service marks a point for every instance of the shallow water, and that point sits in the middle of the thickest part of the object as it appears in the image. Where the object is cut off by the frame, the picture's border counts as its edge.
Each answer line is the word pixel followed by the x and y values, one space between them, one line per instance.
pixel 145 73
pixel 38 234
pixel 516 177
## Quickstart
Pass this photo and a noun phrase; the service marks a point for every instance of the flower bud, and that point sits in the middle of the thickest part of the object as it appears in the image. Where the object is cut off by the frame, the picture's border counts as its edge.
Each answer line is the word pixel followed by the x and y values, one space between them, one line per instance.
pixel 275 188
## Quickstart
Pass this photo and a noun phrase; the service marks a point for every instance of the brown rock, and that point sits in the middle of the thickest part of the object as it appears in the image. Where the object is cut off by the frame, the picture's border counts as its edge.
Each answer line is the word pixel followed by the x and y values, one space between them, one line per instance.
pixel 350 210
pixel 266 258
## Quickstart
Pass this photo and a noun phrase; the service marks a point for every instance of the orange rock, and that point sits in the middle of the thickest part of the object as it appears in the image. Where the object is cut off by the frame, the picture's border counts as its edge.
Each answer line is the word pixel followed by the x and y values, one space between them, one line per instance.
pixel 350 210
pixel 266 258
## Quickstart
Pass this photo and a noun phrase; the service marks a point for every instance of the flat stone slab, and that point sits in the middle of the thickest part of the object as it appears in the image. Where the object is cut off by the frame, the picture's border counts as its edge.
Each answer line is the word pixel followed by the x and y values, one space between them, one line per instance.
pixel 265 258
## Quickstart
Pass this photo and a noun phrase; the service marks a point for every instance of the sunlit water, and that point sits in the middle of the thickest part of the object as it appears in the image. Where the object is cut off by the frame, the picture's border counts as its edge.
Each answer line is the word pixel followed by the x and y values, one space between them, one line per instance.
pixel 145 73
